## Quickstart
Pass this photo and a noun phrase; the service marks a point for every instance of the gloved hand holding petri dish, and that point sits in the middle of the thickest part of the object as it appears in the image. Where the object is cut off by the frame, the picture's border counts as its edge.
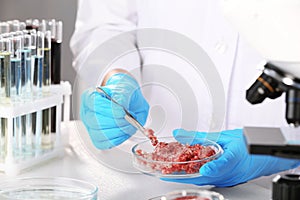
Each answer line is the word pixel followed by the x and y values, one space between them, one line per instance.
pixel 235 165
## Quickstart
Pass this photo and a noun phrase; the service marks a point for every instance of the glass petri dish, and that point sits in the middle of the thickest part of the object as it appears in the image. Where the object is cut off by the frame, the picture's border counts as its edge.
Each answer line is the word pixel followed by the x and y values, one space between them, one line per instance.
pixel 190 195
pixel 148 163
pixel 39 188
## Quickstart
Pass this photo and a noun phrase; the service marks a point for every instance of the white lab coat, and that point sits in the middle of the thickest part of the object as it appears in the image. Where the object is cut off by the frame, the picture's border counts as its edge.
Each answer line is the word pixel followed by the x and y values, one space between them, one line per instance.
pixel 202 22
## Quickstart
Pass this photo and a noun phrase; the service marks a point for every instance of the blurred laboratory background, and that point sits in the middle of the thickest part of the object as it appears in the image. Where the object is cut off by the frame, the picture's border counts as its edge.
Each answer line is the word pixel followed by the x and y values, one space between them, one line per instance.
pixel 64 10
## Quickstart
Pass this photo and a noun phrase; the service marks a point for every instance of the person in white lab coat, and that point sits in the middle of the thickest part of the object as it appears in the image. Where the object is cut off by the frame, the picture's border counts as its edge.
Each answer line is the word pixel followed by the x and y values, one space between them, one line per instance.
pixel 203 23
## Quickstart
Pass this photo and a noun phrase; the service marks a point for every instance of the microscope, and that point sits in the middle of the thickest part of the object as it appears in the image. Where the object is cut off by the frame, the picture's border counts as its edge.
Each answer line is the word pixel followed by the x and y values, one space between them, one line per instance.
pixel 272 27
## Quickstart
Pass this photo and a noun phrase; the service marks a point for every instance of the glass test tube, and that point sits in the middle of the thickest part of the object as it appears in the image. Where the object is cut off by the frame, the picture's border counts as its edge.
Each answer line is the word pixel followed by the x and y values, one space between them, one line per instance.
pixel 35 121
pixel 16 70
pixel 26 64
pixel 5 53
pixel 21 125
pixel 23 54
pixel 56 41
pixel 46 115
pixel 33 48
pixel 4 27
pixel 28 23
pixel 44 27
pixel 15 26
pixel 35 24
pixel 37 45
pixel 3 131
pixel 5 66
pixel 46 132
pixel 18 136
pixel 38 65
pixel 47 63
pixel 27 90
pixel 28 133
pixel 2 127
pixel 16 88
pixel 10 24
pixel 22 26
pixel 2 149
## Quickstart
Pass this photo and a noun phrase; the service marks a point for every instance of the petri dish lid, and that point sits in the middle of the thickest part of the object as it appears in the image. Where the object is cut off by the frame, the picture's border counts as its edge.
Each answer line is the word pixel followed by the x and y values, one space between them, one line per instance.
pixel 46 188
pixel 190 195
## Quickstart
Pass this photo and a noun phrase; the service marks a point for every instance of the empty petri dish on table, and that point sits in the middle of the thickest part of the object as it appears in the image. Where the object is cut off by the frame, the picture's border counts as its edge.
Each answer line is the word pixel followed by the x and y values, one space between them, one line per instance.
pixel 190 195
pixel 171 159
pixel 40 188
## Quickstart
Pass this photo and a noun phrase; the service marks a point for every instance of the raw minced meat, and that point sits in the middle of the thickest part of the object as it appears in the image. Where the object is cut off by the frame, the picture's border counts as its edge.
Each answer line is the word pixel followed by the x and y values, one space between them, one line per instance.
pixel 151 136
pixel 171 153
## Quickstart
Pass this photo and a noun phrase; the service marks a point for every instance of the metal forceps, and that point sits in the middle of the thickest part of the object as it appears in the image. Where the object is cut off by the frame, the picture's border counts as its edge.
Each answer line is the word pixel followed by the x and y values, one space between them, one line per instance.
pixel 128 117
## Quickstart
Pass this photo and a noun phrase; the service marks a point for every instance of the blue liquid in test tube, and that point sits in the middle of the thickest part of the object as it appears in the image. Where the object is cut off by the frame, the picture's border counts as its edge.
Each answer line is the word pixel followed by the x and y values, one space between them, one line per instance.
pixel 16 79
pixel 26 74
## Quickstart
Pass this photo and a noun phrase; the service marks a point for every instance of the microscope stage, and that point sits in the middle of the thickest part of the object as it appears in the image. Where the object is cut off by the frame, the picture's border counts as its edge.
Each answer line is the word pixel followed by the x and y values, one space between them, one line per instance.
pixel 282 142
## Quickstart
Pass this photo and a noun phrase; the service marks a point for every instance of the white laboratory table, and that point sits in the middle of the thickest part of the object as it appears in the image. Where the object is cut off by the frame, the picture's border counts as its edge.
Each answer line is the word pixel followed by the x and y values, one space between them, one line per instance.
pixel 116 185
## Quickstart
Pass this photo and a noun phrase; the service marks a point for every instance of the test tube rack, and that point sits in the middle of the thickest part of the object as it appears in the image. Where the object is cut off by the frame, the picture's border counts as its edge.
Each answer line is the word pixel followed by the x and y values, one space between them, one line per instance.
pixel 58 97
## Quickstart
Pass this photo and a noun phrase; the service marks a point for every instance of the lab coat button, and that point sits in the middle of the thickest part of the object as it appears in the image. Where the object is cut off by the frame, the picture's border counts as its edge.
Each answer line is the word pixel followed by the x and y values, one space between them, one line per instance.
pixel 221 47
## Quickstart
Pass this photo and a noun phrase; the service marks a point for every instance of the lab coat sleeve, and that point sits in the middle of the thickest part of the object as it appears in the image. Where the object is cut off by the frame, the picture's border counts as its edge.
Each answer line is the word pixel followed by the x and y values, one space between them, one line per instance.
pixel 97 23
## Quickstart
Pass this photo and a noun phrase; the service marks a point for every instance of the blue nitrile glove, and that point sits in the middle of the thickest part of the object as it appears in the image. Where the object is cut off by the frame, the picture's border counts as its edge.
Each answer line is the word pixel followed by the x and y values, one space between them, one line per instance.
pixel 104 119
pixel 235 165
